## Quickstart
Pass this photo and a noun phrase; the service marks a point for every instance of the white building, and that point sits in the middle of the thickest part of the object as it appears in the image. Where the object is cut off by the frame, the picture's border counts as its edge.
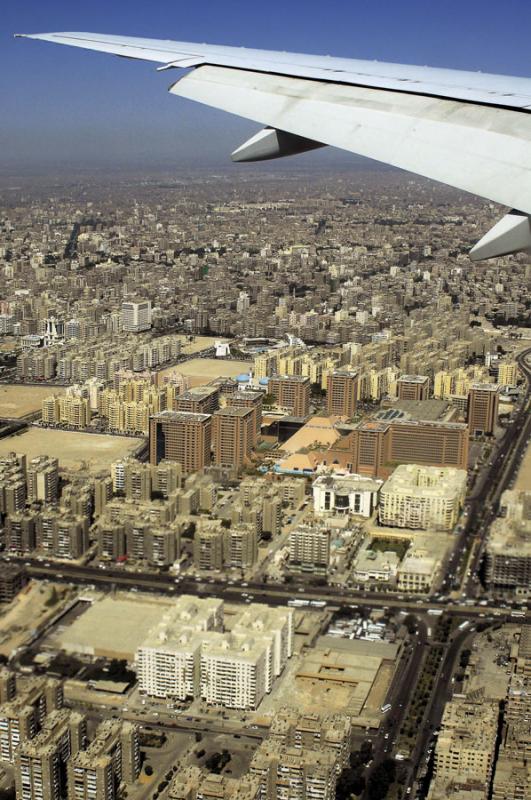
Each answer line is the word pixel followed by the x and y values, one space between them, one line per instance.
pixel 136 315
pixel 235 669
pixel 168 660
pixel 187 655
pixel 374 566
pixel 170 668
pixel 423 497
pixel 350 494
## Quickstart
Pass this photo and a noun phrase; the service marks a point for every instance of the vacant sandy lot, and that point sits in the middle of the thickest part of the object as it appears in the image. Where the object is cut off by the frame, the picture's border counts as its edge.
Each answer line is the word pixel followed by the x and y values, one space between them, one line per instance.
pixel 203 370
pixel 96 451
pixel 27 611
pixel 198 343
pixel 18 401
pixel 523 480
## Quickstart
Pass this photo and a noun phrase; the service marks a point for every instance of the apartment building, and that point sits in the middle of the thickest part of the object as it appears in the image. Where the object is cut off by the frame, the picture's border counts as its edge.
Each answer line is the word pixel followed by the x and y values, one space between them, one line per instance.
pixel 192 783
pixel 291 773
pixel 309 549
pixel 60 534
pixel 423 497
pixel 42 475
pixel 40 762
pixel 209 540
pixel 240 546
pixel 413 387
pixel 189 656
pixel 466 744
pixel 508 553
pixel 112 757
pixel 233 435
pixel 342 387
pixel 291 393
pixel 167 662
pixel 181 436
pixel 483 402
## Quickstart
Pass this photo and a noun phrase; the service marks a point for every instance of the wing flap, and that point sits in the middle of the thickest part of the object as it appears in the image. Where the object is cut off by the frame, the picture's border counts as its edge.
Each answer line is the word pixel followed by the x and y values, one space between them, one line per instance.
pixel 475 148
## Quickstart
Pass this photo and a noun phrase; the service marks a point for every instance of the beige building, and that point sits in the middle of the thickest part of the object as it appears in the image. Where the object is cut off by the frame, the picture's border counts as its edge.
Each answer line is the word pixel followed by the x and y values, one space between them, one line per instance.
pixel 209 540
pixel 309 549
pixel 292 773
pixel 42 479
pixel 40 762
pixel 508 373
pixel 241 546
pixel 466 744
pixel 508 555
pixel 191 783
pixel 112 757
pixel 428 498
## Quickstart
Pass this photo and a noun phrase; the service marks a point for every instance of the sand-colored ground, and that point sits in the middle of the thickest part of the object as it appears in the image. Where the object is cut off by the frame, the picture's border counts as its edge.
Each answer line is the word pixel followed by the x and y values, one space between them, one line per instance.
pixel 523 480
pixel 203 370
pixel 74 450
pixel 198 343
pixel 19 401
pixel 27 611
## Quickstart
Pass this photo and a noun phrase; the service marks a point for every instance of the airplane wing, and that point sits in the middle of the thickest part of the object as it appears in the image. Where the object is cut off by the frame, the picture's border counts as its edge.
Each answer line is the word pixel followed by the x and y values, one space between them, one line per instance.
pixel 469 130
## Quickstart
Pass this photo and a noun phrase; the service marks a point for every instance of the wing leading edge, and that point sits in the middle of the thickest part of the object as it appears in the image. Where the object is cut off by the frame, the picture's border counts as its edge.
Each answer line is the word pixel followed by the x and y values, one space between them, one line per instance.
pixel 469 130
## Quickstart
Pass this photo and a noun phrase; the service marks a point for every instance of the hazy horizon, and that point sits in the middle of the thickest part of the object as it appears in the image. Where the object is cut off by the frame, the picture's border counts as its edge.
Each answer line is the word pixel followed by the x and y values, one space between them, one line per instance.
pixel 63 107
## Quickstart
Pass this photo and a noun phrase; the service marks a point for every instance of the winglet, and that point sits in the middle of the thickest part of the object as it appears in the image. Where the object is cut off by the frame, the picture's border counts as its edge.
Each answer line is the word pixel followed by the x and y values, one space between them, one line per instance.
pixel 512 234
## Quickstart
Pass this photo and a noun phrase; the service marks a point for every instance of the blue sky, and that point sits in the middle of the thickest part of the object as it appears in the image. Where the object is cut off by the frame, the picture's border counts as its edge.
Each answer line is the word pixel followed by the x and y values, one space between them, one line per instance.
pixel 61 106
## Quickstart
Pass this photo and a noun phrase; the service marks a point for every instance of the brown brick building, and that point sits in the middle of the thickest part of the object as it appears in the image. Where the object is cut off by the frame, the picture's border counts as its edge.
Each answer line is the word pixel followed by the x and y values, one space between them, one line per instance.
pixel 413 387
pixel 483 400
pixel 291 392
pixel 374 448
pixel 342 393
pixel 234 435
pixel 181 436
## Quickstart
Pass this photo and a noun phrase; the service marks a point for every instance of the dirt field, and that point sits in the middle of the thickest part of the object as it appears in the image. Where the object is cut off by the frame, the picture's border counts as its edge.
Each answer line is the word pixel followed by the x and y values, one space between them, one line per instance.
pixel 73 450
pixel 203 370
pixel 199 343
pixel 18 401
pixel 26 613
pixel 523 480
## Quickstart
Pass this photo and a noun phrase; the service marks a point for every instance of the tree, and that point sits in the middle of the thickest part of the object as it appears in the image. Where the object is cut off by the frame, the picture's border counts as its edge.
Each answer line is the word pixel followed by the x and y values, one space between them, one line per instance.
pixel 53 598
pixel 148 769
pixel 381 780
pixel 411 623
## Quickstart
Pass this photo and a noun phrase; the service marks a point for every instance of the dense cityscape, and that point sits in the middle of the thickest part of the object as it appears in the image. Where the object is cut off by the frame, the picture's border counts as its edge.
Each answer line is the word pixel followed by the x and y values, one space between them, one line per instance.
pixel 265 490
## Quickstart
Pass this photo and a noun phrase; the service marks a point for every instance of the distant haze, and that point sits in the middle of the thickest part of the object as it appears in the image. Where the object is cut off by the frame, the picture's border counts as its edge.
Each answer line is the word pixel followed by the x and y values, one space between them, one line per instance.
pixel 64 107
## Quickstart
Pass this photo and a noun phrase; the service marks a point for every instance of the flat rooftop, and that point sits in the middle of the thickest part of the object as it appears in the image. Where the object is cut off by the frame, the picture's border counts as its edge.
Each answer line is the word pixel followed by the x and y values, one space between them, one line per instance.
pixel 113 627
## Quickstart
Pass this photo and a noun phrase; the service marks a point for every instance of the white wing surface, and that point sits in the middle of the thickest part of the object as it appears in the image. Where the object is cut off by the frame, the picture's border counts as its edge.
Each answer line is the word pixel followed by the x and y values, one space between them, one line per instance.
pixel 469 130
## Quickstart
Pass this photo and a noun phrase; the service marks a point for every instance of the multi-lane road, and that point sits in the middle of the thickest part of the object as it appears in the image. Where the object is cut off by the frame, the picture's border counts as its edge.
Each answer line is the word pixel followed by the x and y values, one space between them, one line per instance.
pixel 481 509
